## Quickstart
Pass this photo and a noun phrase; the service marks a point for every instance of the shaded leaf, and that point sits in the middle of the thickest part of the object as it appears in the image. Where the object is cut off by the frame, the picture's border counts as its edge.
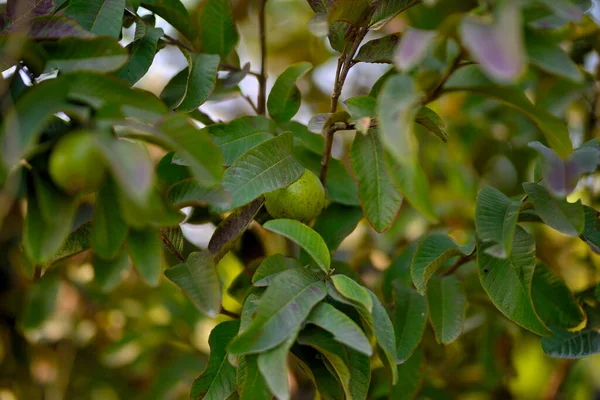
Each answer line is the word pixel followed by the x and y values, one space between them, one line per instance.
pixel 378 50
pixel 591 230
pixel 189 192
pixel 446 300
pixel 564 344
pixel 173 11
pixel 410 318
pixel 141 55
pixel 145 249
pixel 336 222
pixel 109 273
pixel 218 33
pixel 41 301
pixel 77 242
pixel 559 214
pixel 56 27
pixel 410 376
pixel 109 229
pixel 270 267
pixel 429 120
pixel 273 365
pixel 386 10
pixel 545 54
pixel 103 17
pixel 361 106
pixel 250 382
pixel 285 97
pixel 201 81
pixel 99 54
pixel 348 11
pixel 496 220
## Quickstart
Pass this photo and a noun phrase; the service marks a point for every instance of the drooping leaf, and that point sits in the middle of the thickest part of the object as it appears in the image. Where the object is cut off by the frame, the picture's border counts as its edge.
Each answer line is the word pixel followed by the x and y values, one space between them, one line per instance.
pixel 433 251
pixel 232 228
pixel 189 192
pixel 471 79
pixel 41 301
pixel 109 273
pixel 24 10
pixel 218 380
pixel 270 267
pixel 410 376
pixel 336 222
pixel 378 50
pixel 387 10
pixel 591 230
pixel 173 11
pixel 410 318
pixel 412 48
pixel 198 280
pixel 284 306
pixel 240 135
pixel 559 214
pixel 250 382
pixel 77 242
pixel 141 55
pixel 101 54
pixel 508 282
pixel 343 329
pixel 201 81
pixel 496 220
pixel 285 97
pixel 305 237
pixel 262 169
pixel 429 120
pixel 173 240
pixel 218 34
pixel 553 301
pixel 352 291
pixel 565 344
pixel 109 229
pixel 379 197
pixel 103 17
pixel 273 365
pixel 145 249
pixel 446 300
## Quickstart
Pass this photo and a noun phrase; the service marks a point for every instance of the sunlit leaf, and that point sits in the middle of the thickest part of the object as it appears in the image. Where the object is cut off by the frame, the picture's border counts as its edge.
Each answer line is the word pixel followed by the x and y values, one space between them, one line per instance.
pixel 270 267
pixel 378 50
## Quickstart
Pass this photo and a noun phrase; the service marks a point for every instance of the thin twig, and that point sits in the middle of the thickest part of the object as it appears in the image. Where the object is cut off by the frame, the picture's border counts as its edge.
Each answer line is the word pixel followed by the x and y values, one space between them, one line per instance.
pixel 557 379
pixel 230 314
pixel 262 78
pixel 228 67
pixel 179 43
pixel 435 93
pixel 249 101
pixel 459 264
pixel 170 246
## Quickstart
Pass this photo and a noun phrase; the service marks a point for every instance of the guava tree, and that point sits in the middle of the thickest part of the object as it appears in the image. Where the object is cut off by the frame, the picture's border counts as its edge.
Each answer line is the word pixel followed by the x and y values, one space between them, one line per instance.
pixel 396 246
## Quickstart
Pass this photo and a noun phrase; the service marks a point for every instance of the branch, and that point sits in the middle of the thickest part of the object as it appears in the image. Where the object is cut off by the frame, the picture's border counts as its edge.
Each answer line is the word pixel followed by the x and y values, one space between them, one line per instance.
pixel 435 93
pixel 249 101
pixel 230 314
pixel 459 264
pixel 179 43
pixel 343 67
pixel 262 78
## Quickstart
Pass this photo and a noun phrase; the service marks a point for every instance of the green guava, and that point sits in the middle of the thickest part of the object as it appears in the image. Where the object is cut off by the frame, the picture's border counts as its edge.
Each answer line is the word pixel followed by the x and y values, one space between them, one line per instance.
pixel 303 200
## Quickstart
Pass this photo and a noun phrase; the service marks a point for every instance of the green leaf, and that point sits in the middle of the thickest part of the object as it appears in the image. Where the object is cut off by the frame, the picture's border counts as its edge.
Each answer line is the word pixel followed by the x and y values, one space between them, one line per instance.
pixel 218 380
pixel 410 376
pixel 559 214
pixel 410 318
pixel 553 301
pixel 429 120
pixel 262 169
pixel 320 372
pixel 41 301
pixel 141 55
pixel 496 220
pixel 109 273
pixel 447 301
pixel 240 135
pixel 270 267
pixel 101 54
pixel 109 229
pixel 471 79
pixel 379 197
pixel 145 249
pixel 361 106
pixel 273 365
pixel 412 182
pixel 305 237
pixel 549 56
pixel 173 11
pixel 336 223
pixel 396 111
pixel 360 374
pixel 349 11
pixel 232 228
pixel 103 17
pixel 343 329
pixel 572 344
pixel 285 97
pixel 190 193
pixel 378 50
pixel 433 251
pixel 198 280
pixel 56 27
pixel 508 282
pixel 387 10
pixel 218 34
pixel 201 81
pixel 78 241
pixel 352 291
pixel 250 382
pixel 283 307
pixel 591 230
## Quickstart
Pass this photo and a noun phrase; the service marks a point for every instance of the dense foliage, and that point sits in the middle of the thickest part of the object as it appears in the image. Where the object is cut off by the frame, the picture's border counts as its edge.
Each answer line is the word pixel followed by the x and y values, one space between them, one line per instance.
pixel 457 254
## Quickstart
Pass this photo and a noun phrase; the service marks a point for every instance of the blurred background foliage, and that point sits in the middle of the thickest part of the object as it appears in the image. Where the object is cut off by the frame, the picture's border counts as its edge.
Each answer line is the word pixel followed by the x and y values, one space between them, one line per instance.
pixel 66 337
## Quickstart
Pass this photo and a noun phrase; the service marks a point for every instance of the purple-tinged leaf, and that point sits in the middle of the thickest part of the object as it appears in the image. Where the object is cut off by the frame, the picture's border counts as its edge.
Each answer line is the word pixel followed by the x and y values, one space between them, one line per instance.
pixel 379 50
pixel 386 10
pixel 54 27
pixel 20 11
pixel 412 48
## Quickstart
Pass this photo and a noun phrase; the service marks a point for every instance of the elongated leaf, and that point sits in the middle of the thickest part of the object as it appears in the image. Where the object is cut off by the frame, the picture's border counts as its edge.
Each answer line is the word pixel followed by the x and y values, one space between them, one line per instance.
pixel 305 237
pixel 447 302
pixel 410 376
pixel 410 318
pixel 572 344
pixel 56 27
pixel 109 273
pixel 240 135
pixel 201 81
pixel 284 306
pixel 553 301
pixel 429 120
pixel 349 11
pixel 41 301
pixel 395 107
pixel 103 17
pixel 23 10
pixel 343 329
pixel 262 169
pixel 173 11
pixel 232 228
pixel 361 106
pixel 591 231
pixel 273 365
pixel 285 97
pixel 508 282
pixel 496 220
pixel 250 383
pixel 141 55
pixel 336 223
pixel 433 251
pixel 77 242
pixel 145 249
pixel 545 54
pixel 109 229
pixel 218 33
pixel 471 79
pixel 189 192
pixel 379 50
pixel 198 280
pixel 270 267
pixel 218 380
pixel 352 291
pixel 100 54
pixel 360 374
pixel 561 215
pixel 379 197
pixel 412 48
pixel 386 10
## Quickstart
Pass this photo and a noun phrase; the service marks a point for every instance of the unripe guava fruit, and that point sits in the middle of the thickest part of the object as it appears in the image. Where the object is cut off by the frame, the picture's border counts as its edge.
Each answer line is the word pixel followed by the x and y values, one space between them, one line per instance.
pixel 303 200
